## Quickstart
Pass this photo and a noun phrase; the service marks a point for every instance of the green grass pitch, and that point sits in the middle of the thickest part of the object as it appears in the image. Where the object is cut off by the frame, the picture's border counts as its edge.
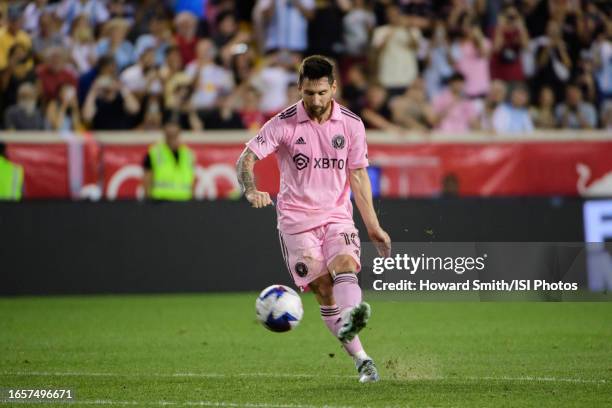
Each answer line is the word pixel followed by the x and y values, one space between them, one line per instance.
pixel 207 350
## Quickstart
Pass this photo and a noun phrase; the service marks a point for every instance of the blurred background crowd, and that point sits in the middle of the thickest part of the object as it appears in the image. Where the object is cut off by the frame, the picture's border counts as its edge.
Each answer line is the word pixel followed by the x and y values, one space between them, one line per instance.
pixel 404 65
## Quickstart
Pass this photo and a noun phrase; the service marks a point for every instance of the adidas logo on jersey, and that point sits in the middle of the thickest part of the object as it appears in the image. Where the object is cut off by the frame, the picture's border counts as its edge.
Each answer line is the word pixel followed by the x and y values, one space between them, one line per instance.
pixel 300 141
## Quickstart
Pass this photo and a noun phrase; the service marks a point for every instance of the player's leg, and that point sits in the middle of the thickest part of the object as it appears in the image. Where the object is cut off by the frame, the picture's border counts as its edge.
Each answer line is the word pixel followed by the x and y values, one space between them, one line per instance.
pixel 342 252
pixel 347 293
pixel 323 289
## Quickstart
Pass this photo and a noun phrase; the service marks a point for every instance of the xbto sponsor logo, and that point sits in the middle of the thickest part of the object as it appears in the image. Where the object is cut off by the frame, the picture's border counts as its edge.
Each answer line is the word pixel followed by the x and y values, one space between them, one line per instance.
pixel 325 163
pixel 302 161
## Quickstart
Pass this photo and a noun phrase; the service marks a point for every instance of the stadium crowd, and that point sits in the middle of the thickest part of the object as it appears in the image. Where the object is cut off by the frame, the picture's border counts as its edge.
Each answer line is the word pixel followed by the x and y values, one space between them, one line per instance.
pixel 405 65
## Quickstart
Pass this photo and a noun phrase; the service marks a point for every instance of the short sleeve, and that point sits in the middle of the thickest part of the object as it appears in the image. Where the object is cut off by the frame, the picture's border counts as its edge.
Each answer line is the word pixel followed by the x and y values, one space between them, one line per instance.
pixel 358 148
pixel 267 140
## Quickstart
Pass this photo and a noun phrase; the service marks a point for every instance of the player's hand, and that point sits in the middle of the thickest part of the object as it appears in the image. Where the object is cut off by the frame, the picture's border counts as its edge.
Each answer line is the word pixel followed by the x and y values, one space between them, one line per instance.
pixel 381 241
pixel 258 199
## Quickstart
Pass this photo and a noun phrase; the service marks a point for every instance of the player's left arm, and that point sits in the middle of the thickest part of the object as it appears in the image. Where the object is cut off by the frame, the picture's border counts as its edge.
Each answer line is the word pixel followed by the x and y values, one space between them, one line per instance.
pixel 362 191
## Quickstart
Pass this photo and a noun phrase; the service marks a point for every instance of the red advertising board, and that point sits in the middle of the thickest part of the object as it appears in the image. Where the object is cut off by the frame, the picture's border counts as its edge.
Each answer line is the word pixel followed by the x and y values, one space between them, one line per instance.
pixel 407 170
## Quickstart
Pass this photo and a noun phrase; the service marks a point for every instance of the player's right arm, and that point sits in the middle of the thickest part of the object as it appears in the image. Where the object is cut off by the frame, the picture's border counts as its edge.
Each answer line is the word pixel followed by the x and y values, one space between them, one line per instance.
pixel 246 178
pixel 261 145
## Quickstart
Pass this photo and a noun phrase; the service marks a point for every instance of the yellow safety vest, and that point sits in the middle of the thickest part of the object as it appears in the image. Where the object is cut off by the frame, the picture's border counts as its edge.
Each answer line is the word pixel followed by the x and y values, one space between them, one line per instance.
pixel 172 180
pixel 11 180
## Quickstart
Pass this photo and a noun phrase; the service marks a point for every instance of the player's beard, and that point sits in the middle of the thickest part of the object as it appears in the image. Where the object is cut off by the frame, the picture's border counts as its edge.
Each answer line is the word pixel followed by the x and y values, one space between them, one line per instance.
pixel 317 111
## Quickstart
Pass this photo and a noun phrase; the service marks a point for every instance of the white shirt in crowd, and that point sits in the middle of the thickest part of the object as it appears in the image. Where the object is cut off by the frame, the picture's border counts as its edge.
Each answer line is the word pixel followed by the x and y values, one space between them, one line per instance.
pixel 272 83
pixel 357 24
pixel 287 28
pixel 397 63
pixel 212 82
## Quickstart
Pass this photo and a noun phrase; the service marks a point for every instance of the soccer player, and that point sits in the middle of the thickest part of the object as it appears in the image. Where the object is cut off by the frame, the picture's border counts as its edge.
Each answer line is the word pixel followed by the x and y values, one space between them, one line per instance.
pixel 321 150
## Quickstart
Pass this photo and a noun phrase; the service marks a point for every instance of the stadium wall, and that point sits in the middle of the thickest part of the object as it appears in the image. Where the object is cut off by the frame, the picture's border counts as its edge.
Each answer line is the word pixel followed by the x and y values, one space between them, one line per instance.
pixel 61 247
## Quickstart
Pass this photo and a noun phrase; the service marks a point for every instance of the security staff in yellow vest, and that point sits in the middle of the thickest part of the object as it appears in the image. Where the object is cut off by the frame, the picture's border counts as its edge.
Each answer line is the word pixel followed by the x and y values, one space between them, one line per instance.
pixel 11 177
pixel 169 168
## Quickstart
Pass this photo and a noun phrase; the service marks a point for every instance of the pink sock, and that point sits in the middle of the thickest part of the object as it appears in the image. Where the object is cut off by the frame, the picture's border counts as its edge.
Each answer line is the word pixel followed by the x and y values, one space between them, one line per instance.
pixel 346 290
pixel 331 317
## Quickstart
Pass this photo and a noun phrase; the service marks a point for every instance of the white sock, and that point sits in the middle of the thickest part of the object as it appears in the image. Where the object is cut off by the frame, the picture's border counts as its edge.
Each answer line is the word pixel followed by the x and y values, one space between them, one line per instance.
pixel 360 356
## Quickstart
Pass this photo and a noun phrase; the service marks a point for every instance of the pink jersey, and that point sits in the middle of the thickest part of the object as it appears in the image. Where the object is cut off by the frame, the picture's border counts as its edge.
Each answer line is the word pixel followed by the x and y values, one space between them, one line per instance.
pixel 314 160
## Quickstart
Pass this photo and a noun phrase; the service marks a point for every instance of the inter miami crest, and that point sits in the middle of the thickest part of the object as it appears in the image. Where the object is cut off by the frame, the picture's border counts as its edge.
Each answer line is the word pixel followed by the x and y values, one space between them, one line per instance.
pixel 301 269
pixel 338 142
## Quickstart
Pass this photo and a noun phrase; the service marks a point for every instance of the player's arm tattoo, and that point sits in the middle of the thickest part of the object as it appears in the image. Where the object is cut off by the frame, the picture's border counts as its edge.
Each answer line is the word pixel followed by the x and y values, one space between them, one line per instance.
pixel 244 168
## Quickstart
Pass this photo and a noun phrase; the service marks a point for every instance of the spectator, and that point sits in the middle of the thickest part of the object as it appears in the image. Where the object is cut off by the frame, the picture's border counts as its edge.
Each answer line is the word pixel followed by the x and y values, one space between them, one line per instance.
pixel 173 64
pixel 453 112
pixel 376 113
pixel 252 118
pixel 227 28
pixel 229 41
pixel 83 45
pixel 63 113
pixel 121 9
pixel 543 115
pixel 574 113
pixel 210 80
pixel 142 77
pixel 283 25
pixel 12 34
pixel 54 73
pixel 105 66
pixel 358 23
pixel 32 13
pixel 272 82
pixel 224 116
pixel 354 90
pixel 396 48
pixel 514 117
pixel 18 70
pixel 48 35
pixel 24 115
pixel 152 115
pixel 178 102
pixel 411 110
pixel 470 55
pixel 436 56
pixel 146 11
pixel 553 64
pixel 602 54
pixel 159 38
pixel 109 106
pixel 242 63
pixel 325 27
pixel 585 78
pixel 95 10
pixel 495 97
pixel 510 39
pixel 114 42
pixel 186 28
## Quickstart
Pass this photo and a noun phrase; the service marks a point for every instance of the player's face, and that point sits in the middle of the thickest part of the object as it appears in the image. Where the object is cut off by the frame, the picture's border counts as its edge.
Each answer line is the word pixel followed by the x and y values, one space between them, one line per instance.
pixel 317 95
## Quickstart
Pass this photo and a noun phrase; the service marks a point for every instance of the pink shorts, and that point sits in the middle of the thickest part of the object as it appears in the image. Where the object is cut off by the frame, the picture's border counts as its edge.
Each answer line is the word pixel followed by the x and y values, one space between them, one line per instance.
pixel 308 254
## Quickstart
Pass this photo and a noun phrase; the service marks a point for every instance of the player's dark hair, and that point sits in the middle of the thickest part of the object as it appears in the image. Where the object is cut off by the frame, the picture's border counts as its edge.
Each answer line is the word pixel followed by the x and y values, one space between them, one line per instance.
pixel 2 149
pixel 316 67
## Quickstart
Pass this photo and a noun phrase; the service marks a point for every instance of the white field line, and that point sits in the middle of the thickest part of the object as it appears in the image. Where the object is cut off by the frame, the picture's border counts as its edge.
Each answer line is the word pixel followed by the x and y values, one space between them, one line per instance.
pixel 305 375
pixel 176 403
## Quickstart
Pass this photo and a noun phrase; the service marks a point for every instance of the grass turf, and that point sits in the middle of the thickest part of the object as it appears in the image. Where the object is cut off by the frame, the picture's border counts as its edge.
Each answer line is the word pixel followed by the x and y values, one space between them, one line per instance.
pixel 207 350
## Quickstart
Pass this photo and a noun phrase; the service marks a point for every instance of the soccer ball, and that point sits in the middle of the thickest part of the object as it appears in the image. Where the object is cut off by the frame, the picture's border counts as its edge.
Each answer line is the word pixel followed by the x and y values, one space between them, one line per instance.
pixel 279 308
